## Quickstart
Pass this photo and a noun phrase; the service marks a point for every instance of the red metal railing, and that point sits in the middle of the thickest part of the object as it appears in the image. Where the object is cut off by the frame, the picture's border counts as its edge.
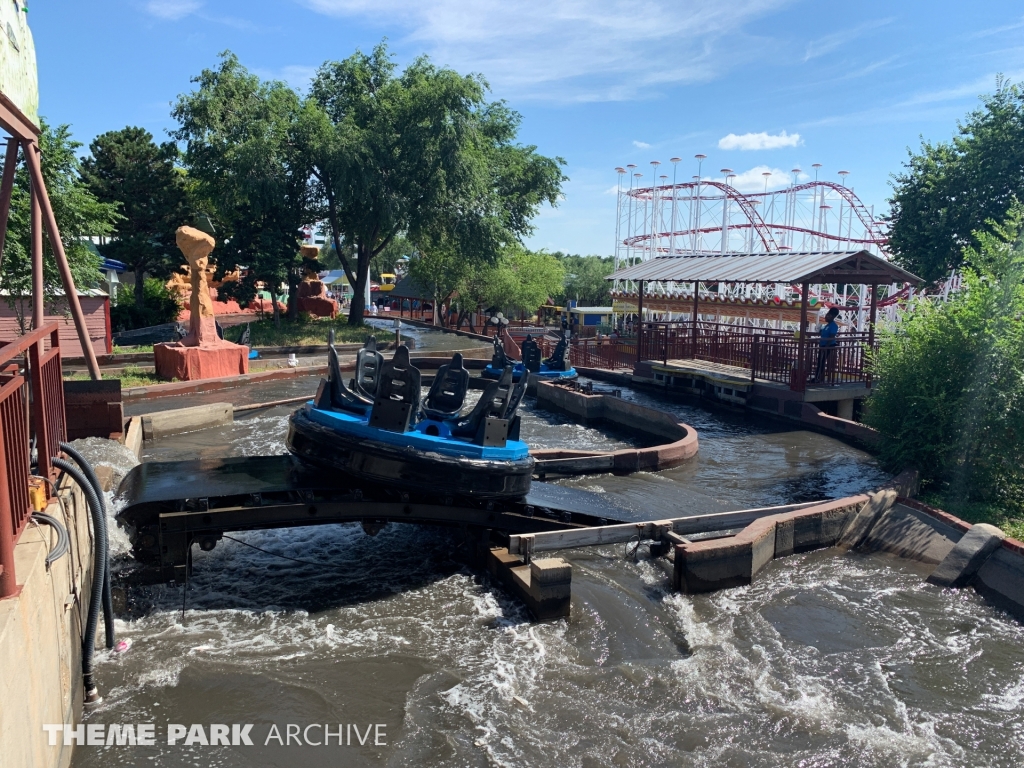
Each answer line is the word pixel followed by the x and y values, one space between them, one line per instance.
pixel 610 354
pixel 769 354
pixel 31 403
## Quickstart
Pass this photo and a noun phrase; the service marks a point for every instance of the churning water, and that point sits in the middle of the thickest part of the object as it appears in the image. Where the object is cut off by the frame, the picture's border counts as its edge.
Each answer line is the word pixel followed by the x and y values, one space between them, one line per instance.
pixel 826 660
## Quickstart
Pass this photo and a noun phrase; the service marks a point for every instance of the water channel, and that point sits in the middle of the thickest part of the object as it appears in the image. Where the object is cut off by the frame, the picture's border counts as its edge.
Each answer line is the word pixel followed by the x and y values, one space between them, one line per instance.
pixel 826 660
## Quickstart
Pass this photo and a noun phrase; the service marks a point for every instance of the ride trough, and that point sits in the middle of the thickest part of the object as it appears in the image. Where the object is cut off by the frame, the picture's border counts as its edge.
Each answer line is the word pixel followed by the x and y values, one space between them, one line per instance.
pixel 379 428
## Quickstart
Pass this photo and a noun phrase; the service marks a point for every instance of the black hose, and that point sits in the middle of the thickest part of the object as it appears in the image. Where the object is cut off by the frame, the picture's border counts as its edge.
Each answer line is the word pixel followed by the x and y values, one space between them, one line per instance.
pixel 99 572
pixel 63 540
pixel 108 602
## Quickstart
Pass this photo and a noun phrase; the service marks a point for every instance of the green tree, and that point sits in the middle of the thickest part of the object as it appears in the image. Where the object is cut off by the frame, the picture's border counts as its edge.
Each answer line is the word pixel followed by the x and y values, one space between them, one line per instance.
pixel 419 153
pixel 79 216
pixel 159 305
pixel 947 192
pixel 585 279
pixel 129 169
pixel 950 392
pixel 240 159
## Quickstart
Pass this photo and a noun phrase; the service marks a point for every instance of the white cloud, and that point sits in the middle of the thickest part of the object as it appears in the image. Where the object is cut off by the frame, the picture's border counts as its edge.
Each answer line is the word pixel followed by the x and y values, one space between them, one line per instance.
pixel 573 50
pixel 753 180
pixel 760 141
pixel 172 9
pixel 641 145
pixel 298 76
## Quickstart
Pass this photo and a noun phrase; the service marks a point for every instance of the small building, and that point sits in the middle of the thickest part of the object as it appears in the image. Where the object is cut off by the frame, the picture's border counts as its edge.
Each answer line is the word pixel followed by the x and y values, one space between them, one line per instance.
pixel 585 316
pixel 16 318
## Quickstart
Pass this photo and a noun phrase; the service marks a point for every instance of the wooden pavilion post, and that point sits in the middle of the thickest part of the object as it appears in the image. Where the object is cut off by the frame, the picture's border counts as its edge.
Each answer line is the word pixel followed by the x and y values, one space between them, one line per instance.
pixel 693 328
pixel 799 383
pixel 871 327
pixel 640 322
pixel 57 246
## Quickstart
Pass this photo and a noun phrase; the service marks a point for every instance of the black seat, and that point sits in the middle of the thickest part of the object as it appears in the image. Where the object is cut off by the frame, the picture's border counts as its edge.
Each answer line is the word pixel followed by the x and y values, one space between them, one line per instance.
pixel 246 335
pixel 486 423
pixel 559 360
pixel 499 359
pixel 448 392
pixel 398 393
pixel 368 363
pixel 332 392
pixel 531 354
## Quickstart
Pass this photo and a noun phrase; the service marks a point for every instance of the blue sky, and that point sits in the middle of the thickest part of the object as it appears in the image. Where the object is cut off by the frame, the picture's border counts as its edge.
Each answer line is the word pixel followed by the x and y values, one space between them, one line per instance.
pixel 600 83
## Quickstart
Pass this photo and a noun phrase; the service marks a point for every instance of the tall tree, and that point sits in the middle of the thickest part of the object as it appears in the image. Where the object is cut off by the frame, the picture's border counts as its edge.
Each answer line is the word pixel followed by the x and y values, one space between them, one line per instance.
pixel 949 191
pixel 129 169
pixel 420 153
pixel 236 128
pixel 79 216
pixel 585 279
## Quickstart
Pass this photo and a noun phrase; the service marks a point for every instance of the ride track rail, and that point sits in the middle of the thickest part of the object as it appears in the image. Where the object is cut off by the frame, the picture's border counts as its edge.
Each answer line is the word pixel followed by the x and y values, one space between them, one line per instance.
pixel 169 506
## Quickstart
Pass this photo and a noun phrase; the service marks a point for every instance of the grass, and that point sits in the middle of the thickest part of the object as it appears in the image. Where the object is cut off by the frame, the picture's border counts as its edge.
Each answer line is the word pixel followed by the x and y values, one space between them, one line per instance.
pixel 130 376
pixel 132 350
pixel 1009 515
pixel 305 332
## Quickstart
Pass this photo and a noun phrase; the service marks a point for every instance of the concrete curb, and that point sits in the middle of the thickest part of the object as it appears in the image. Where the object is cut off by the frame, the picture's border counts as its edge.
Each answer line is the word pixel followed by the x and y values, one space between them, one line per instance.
pixel 179 420
pixel 638 419
pixel 966 558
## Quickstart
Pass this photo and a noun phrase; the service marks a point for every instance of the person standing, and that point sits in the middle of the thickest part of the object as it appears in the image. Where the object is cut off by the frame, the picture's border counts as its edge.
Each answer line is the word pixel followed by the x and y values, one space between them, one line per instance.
pixel 827 345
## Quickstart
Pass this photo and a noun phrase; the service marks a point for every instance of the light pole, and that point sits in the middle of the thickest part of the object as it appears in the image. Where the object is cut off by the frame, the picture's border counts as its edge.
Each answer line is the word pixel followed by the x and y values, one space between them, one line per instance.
pixel 700 161
pixel 672 229
pixel 618 216
pixel 654 208
pixel 725 211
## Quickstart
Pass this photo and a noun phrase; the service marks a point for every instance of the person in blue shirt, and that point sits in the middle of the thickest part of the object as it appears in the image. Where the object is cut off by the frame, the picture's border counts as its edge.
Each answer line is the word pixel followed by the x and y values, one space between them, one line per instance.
pixel 828 345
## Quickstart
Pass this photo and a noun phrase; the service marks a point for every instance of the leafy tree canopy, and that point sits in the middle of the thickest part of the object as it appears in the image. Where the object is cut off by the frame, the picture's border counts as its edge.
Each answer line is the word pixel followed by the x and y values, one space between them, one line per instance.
pixel 419 153
pixel 237 130
pixel 585 279
pixel 79 216
pixel 948 191
pixel 127 168
pixel 950 392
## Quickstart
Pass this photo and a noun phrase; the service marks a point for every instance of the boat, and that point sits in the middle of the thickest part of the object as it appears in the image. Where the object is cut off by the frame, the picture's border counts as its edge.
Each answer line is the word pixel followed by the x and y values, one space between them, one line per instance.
pixel 380 428
pixel 556 367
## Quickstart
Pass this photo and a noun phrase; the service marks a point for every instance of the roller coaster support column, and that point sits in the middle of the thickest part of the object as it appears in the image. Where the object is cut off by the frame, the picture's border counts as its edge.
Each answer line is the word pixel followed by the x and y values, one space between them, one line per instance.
pixel 799 382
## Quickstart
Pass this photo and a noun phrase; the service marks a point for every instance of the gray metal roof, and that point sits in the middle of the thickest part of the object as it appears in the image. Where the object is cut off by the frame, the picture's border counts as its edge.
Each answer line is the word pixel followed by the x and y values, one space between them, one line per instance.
pixel 856 267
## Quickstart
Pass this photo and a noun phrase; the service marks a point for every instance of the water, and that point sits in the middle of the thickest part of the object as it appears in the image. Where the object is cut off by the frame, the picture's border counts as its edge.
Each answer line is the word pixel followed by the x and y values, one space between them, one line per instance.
pixel 826 660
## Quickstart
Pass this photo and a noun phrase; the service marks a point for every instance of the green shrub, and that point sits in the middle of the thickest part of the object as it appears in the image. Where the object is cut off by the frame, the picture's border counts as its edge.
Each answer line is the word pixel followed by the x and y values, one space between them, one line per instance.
pixel 949 398
pixel 159 306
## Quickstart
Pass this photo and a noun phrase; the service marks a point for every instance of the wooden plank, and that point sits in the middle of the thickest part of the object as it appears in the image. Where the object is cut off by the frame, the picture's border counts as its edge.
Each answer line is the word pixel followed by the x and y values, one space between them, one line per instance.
pixel 623 532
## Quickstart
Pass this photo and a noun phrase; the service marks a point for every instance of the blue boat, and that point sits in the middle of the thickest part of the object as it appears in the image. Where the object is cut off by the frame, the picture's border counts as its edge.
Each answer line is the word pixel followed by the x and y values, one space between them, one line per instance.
pixel 380 428
pixel 553 368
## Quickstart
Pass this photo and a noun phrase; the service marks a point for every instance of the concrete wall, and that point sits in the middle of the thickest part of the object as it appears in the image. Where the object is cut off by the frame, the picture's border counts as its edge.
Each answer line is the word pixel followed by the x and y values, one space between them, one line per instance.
pixel 40 639
pixel 654 425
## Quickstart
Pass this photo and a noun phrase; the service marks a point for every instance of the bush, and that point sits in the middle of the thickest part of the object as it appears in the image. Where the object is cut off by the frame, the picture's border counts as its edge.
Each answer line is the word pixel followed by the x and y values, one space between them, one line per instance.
pixel 159 306
pixel 950 393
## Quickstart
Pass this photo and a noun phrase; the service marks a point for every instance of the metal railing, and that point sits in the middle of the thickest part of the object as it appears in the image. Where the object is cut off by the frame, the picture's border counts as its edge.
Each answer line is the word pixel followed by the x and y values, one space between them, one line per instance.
pixel 609 354
pixel 769 354
pixel 31 405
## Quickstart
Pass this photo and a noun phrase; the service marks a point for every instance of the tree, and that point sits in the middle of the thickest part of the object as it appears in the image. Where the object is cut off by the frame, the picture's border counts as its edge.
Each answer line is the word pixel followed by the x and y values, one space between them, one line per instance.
pixel 79 216
pixel 420 154
pixel 585 279
pixel 128 169
pixel 950 392
pixel 240 158
pixel 949 191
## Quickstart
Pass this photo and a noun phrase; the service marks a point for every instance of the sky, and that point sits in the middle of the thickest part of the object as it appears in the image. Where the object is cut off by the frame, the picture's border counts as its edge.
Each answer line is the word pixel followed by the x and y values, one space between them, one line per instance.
pixel 756 85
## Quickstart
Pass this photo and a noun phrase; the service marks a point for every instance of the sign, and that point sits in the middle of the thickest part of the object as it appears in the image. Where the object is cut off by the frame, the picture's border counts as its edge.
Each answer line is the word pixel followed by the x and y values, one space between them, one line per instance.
pixel 19 80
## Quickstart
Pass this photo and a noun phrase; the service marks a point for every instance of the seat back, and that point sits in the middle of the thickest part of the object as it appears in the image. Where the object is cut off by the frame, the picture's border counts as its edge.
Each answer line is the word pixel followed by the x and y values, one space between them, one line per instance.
pixel 531 354
pixel 337 394
pixel 559 360
pixel 481 424
pixel 246 335
pixel 448 391
pixel 398 393
pixel 368 365
pixel 499 359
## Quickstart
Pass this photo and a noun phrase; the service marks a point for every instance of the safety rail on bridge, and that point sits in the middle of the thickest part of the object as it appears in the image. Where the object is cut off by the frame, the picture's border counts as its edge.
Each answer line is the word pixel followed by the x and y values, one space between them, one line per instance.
pixel 768 354
pixel 31 406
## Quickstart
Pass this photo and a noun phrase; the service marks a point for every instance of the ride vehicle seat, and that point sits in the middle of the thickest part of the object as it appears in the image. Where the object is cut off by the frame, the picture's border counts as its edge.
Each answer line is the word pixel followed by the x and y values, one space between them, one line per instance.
pixel 398 393
pixel 448 391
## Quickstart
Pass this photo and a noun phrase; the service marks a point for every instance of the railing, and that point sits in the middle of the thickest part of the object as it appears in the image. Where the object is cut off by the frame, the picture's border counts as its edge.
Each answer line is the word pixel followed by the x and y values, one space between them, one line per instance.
pixel 769 354
pixel 31 404
pixel 610 354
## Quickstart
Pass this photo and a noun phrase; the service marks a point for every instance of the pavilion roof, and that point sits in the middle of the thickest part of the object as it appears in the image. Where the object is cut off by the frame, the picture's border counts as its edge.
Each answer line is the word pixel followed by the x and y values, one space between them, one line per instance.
pixel 855 267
